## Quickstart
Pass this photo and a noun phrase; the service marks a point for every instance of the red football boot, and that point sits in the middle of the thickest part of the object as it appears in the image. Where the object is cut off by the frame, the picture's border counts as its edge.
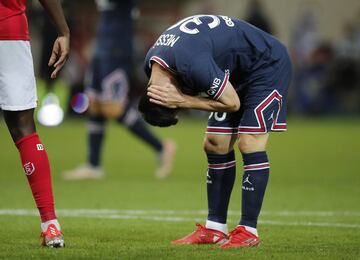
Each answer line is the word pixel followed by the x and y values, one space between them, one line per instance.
pixel 52 237
pixel 202 235
pixel 240 237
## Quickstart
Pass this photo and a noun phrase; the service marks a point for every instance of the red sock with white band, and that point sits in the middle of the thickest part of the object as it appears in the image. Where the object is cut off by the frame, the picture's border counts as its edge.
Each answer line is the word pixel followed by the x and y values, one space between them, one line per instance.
pixel 37 170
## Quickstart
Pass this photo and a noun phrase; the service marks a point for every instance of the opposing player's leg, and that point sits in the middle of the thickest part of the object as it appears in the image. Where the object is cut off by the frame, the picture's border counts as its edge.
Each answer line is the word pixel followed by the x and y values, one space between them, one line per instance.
pixel 18 100
pixel 37 170
pixel 218 146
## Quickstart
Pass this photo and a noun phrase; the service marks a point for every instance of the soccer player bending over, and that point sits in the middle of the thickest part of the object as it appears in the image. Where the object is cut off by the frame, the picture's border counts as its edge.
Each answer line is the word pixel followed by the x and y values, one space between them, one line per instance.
pixel 241 74
pixel 18 99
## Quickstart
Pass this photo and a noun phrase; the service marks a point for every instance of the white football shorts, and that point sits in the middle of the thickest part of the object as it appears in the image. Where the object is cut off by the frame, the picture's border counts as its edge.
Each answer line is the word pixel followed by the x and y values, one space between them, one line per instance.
pixel 17 79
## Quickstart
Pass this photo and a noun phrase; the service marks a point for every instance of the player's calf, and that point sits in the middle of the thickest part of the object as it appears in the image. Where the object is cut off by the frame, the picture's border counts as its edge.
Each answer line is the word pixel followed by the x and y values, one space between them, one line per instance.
pixel 220 178
pixel 37 170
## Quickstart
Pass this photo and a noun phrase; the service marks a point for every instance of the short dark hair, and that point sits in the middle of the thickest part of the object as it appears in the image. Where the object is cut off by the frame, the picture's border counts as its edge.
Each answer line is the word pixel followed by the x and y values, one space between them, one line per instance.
pixel 157 115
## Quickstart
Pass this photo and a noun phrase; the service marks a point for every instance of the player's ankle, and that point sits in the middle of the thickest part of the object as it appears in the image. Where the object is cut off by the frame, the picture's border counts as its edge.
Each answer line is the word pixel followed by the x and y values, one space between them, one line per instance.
pixel 216 226
pixel 45 225
pixel 252 230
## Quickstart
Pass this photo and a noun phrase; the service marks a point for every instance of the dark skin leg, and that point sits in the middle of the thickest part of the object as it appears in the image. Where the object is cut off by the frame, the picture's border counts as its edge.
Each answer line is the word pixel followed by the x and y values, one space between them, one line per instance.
pixel 20 123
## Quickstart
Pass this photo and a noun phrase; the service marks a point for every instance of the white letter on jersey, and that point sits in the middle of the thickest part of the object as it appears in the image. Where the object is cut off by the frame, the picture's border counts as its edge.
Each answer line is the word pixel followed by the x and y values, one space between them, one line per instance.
pixel 228 21
pixel 167 40
pixel 173 40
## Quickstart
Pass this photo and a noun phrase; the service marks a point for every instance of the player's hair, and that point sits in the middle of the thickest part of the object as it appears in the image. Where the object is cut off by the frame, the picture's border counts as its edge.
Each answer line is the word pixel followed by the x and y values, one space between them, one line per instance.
pixel 157 115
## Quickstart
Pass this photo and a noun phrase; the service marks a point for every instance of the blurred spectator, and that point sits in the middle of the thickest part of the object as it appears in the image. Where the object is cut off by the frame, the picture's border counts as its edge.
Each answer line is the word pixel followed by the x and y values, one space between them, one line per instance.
pixel 349 47
pixel 256 16
pixel 305 38
pixel 345 73
pixel 327 79
pixel 344 79
pixel 313 93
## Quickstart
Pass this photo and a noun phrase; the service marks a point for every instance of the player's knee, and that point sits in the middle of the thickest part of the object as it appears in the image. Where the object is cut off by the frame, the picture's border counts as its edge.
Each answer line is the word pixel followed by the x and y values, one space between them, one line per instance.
pixel 112 110
pixel 214 145
pixel 20 123
pixel 246 145
pixel 94 107
pixel 252 143
pixel 109 110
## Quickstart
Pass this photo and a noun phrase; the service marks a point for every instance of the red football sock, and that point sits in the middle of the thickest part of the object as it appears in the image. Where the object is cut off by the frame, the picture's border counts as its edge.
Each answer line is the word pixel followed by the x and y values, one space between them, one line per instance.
pixel 37 169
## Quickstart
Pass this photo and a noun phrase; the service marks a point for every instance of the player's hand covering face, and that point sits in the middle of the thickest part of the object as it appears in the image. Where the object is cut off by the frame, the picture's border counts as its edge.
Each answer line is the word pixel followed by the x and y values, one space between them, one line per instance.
pixel 59 54
pixel 166 95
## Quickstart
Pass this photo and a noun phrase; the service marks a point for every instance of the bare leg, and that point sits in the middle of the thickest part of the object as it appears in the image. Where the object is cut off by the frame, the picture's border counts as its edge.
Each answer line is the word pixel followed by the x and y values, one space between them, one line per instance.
pixel 20 123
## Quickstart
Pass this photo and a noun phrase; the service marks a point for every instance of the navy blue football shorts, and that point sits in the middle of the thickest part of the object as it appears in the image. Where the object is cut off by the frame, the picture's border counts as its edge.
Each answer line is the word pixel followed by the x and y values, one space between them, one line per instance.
pixel 262 103
pixel 107 80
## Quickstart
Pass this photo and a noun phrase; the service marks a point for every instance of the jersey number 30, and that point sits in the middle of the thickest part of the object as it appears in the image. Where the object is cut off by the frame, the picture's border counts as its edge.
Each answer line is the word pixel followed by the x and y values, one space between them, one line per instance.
pixel 184 23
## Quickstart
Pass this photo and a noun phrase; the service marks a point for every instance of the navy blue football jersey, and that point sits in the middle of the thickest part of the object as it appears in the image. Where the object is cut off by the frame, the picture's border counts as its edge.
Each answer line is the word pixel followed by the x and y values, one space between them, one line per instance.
pixel 205 51
pixel 115 28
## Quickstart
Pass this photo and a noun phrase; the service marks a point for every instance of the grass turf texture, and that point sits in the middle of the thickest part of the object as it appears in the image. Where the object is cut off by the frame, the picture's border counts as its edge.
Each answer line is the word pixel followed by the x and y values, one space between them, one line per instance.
pixel 314 181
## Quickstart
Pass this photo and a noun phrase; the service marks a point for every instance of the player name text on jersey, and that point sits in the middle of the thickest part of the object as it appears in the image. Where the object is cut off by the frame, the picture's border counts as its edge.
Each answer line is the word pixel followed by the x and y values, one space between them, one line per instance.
pixel 167 40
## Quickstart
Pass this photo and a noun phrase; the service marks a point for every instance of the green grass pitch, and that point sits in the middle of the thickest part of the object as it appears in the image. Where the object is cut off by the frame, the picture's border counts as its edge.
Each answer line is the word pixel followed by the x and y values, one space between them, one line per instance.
pixel 311 211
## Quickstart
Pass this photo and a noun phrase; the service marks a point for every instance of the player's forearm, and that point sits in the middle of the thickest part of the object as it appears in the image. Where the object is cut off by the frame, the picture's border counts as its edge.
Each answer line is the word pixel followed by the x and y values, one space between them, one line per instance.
pixel 55 11
pixel 207 104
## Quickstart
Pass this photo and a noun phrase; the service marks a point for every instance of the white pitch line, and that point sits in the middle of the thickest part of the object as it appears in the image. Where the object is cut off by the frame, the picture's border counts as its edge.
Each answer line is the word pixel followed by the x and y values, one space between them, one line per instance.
pixel 70 212
pixel 309 224
pixel 265 222
pixel 167 216
pixel 313 213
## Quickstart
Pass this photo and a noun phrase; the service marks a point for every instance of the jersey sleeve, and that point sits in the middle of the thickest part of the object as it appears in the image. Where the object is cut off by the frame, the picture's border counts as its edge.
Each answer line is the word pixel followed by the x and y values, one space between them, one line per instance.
pixel 206 76
pixel 153 57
